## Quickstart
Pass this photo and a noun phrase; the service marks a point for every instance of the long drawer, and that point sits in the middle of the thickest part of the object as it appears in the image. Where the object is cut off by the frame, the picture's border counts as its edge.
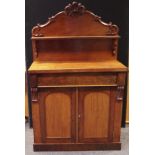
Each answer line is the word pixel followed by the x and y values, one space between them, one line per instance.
pixel 77 79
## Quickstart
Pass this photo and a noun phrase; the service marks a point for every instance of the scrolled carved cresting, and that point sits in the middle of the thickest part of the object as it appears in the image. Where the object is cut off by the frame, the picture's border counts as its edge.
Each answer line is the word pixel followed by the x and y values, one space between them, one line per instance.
pixel 113 29
pixel 38 28
pixel 74 9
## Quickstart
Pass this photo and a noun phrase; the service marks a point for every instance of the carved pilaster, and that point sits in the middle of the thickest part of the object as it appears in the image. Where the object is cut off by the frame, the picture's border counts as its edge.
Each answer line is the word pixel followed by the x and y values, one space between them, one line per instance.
pixel 34 94
pixel 115 46
pixel 34 89
pixel 34 49
pixel 120 92
pixel 33 80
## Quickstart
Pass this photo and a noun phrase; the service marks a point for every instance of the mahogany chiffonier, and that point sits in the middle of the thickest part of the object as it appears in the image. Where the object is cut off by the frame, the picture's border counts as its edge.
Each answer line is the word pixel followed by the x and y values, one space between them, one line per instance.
pixel 76 82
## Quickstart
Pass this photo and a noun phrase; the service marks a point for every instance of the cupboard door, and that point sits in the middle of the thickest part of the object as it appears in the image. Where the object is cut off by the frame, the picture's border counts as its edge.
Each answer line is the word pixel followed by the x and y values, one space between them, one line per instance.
pixel 96 110
pixel 57 114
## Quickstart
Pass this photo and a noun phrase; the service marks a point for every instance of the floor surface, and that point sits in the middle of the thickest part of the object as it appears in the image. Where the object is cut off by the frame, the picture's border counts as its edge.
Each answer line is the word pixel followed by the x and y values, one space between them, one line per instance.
pixel 29 146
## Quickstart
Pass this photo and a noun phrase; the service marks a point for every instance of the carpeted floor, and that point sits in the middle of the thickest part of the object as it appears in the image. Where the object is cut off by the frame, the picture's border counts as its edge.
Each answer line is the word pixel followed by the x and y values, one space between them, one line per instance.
pixel 29 146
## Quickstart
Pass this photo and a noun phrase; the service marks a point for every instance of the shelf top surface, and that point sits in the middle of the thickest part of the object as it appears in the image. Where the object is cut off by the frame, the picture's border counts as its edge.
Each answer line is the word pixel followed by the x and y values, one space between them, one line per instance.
pixel 63 67
pixel 75 37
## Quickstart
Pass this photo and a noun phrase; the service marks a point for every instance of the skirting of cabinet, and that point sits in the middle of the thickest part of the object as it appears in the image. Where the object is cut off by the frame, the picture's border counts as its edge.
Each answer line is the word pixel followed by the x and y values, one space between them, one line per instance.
pixel 76 147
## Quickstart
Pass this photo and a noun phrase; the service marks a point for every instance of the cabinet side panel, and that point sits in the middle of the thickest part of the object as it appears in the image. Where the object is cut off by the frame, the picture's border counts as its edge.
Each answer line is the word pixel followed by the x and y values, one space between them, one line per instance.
pixel 36 122
pixel 117 121
pixel 35 109
pixel 118 107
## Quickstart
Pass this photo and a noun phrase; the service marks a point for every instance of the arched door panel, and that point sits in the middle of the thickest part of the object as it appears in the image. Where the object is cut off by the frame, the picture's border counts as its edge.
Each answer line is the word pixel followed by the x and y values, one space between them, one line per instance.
pixel 95 114
pixel 57 110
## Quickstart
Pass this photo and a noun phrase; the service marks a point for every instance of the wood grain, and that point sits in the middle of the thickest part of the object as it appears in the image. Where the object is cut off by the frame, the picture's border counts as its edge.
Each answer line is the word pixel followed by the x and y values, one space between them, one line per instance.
pixel 127 107
pixel 36 123
pixel 57 108
pixel 63 25
pixel 26 100
pixel 96 115
pixel 117 118
pixel 58 115
pixel 35 109
pixel 63 67
pixel 77 79
pixel 76 147
pixel 76 37
pixel 94 111
pixel 75 50
pixel 76 82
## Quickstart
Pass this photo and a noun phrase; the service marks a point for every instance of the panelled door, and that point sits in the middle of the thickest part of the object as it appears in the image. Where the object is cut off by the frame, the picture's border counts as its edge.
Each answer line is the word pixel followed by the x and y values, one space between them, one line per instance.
pixel 80 115
pixel 96 114
pixel 57 114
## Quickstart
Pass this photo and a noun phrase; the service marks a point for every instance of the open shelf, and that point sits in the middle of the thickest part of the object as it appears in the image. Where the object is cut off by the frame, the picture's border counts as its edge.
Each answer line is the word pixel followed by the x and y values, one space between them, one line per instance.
pixel 74 37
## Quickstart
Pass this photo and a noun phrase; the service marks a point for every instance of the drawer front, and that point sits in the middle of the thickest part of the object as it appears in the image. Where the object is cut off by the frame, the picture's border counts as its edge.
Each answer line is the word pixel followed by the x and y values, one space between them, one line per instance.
pixel 77 79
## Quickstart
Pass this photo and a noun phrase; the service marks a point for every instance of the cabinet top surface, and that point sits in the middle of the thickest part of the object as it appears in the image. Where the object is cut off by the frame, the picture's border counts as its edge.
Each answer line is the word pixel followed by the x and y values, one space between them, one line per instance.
pixel 62 67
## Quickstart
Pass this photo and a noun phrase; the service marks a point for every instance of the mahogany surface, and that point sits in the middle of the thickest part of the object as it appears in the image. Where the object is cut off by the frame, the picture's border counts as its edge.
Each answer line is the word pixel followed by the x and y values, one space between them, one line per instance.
pixel 77 83
pixel 81 66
